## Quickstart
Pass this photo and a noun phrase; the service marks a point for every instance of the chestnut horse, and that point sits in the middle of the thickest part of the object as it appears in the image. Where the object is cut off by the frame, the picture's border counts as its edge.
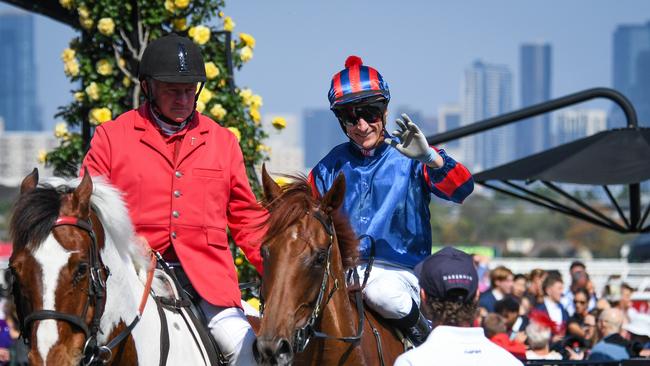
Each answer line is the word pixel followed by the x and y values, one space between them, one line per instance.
pixel 81 282
pixel 308 316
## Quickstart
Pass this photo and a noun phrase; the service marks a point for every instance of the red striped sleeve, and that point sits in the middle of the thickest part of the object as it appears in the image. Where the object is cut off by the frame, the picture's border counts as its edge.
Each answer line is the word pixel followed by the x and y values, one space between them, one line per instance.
pixel 454 179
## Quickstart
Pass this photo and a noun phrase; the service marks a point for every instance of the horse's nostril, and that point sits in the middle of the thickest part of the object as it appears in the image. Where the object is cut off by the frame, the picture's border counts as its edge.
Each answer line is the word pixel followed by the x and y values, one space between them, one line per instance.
pixel 283 349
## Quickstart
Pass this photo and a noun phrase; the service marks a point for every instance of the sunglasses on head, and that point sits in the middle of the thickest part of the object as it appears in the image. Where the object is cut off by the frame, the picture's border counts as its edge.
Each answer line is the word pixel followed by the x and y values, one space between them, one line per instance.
pixel 370 113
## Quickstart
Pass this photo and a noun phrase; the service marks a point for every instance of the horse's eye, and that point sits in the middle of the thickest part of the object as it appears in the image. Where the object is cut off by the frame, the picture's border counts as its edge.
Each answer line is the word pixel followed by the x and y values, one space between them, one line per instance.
pixel 321 257
pixel 82 268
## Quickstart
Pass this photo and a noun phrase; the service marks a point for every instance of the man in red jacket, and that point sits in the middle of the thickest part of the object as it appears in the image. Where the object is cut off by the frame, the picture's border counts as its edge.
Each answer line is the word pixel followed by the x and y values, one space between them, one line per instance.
pixel 185 182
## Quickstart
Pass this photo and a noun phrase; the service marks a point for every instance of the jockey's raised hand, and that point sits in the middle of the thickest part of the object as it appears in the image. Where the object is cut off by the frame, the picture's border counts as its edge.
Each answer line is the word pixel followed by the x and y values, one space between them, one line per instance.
pixel 413 143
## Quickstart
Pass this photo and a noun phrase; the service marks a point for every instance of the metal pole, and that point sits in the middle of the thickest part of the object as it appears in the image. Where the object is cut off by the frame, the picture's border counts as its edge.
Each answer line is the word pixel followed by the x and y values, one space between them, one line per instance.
pixel 538 109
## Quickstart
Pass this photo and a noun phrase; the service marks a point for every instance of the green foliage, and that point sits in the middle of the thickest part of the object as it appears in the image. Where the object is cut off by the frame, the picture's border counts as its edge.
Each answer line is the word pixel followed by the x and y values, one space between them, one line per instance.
pixel 103 62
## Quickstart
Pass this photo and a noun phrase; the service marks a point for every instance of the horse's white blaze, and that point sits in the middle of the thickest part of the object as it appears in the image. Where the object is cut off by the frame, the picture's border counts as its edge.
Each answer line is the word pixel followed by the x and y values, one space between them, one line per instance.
pixel 51 256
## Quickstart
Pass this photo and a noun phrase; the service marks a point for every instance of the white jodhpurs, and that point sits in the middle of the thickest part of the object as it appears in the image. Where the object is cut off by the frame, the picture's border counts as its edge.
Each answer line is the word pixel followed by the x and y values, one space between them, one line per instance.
pixel 232 332
pixel 390 291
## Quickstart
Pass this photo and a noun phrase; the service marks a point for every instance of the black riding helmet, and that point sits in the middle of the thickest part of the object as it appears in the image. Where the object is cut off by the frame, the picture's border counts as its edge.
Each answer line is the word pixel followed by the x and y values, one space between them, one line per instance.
pixel 172 59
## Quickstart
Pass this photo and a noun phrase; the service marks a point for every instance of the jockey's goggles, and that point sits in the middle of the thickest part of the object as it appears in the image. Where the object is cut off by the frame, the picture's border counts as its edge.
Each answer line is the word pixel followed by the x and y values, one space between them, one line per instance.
pixel 370 112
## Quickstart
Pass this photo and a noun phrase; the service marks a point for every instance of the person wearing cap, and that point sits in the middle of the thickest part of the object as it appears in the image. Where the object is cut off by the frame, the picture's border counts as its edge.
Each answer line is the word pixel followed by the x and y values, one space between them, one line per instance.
pixel 185 184
pixel 449 293
pixel 389 182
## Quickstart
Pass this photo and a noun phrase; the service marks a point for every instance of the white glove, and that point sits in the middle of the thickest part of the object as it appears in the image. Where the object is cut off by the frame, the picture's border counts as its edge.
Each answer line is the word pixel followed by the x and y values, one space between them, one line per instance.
pixel 414 144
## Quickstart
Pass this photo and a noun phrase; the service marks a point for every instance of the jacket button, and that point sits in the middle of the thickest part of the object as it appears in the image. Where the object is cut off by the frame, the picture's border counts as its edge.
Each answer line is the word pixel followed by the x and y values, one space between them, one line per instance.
pixel 175 214
pixel 177 193
pixel 178 174
pixel 173 235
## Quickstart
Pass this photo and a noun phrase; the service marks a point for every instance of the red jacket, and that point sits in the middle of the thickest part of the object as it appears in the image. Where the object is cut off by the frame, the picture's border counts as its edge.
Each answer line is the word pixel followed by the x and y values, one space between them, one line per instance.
pixel 187 203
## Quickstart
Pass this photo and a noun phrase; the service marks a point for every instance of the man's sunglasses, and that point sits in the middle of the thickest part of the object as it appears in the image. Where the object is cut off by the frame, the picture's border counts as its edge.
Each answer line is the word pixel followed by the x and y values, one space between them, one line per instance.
pixel 350 116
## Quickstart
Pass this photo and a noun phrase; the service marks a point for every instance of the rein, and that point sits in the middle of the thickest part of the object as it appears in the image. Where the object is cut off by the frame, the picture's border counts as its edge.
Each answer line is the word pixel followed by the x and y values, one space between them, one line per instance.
pixel 92 353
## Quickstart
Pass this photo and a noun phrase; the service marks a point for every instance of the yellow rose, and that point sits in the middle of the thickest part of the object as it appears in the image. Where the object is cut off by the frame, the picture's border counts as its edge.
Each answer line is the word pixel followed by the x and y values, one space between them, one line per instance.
pixel 181 4
pixel 247 39
pixel 67 4
pixel 220 14
pixel 239 261
pixel 263 148
pixel 256 101
pixel 200 106
pixel 169 6
pixel 68 55
pixel 61 130
pixel 71 68
pixel 42 156
pixel 179 24
pixel 83 12
pixel 228 24
pixel 255 115
pixel 104 67
pixel 79 96
pixel 92 90
pixel 200 34
pixel 106 26
pixel 246 53
pixel 281 181
pixel 86 23
pixel 126 81
pixel 97 116
pixel 205 95
pixel 246 96
pixel 235 132
pixel 254 302
pixel 279 123
pixel 222 83
pixel 211 70
pixel 218 111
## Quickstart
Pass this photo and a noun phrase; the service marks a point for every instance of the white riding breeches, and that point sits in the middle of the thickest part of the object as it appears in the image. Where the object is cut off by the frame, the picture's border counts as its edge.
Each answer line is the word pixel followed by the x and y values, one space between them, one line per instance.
pixel 389 290
pixel 232 332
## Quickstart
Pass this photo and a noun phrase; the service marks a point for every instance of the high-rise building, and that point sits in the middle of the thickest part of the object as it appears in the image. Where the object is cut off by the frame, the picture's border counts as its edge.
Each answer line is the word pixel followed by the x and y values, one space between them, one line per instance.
pixel 572 124
pixel 286 151
pixel 487 92
pixel 19 151
pixel 450 117
pixel 533 135
pixel 631 71
pixel 18 99
pixel 321 132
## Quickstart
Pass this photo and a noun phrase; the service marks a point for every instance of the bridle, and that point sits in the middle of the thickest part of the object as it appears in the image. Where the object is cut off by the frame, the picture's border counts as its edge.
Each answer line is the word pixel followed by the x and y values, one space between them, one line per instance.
pixel 96 295
pixel 303 335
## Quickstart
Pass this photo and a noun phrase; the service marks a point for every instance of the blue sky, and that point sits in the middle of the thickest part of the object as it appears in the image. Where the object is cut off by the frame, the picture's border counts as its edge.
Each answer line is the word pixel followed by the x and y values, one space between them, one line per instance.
pixel 420 47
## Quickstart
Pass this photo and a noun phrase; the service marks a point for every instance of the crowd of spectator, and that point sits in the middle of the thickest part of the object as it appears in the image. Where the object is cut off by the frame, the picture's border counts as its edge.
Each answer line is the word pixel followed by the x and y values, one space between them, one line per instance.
pixel 539 316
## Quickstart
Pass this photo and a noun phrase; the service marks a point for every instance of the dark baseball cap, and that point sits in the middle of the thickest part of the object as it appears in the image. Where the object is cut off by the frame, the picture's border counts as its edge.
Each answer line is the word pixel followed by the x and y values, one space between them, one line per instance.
pixel 447 270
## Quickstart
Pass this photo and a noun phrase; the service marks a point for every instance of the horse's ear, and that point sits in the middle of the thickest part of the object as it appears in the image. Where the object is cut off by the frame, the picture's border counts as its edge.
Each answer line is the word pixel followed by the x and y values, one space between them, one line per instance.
pixel 30 182
pixel 271 189
pixel 82 194
pixel 334 197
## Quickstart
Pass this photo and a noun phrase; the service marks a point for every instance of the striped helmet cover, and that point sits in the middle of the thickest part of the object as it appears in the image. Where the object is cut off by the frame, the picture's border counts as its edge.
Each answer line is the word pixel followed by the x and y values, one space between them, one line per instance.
pixel 356 82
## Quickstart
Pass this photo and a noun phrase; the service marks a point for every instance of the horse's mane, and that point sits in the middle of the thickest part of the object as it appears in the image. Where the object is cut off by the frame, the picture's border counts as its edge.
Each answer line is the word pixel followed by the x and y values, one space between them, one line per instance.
pixel 36 211
pixel 291 205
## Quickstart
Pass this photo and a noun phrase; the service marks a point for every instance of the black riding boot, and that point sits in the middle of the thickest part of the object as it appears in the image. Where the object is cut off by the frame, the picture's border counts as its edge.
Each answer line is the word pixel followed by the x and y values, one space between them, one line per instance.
pixel 414 326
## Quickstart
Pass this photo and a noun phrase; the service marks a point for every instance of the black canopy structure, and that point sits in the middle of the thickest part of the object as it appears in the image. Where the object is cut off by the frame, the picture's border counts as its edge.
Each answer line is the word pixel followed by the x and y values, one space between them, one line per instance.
pixel 612 157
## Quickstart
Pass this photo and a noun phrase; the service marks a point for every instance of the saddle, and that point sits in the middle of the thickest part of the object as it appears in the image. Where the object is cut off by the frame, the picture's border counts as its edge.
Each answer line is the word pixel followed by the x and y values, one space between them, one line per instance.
pixel 172 293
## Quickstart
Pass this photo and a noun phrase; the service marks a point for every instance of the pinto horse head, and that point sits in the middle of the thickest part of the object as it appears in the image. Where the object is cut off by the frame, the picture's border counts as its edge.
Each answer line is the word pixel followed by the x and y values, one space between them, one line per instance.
pixel 55 268
pixel 307 246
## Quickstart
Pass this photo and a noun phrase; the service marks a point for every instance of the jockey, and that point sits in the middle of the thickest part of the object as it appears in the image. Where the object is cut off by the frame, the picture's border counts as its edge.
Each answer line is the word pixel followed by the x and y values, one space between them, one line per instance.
pixel 389 184
pixel 185 184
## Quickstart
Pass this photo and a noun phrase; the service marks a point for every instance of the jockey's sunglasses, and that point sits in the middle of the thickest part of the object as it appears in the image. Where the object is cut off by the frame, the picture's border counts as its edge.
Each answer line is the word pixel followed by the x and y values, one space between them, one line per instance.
pixel 349 116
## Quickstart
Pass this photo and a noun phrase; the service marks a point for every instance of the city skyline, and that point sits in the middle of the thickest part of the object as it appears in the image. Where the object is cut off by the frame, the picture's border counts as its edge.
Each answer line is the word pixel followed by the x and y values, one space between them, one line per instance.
pixel 422 54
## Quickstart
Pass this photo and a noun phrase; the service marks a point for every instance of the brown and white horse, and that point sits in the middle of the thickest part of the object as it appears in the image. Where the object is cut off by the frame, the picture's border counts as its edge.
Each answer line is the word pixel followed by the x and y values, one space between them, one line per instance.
pixel 80 281
pixel 309 317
